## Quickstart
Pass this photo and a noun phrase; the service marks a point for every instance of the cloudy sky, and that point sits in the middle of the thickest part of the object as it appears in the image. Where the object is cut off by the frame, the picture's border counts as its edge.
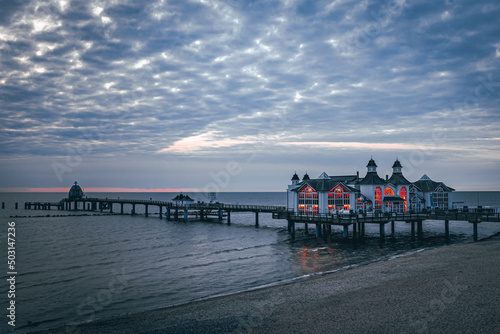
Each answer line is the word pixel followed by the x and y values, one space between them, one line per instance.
pixel 234 95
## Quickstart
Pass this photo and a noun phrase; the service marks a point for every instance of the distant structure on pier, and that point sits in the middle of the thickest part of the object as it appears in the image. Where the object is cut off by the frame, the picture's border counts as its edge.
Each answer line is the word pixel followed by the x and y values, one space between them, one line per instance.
pixel 331 194
pixel 183 200
pixel 75 192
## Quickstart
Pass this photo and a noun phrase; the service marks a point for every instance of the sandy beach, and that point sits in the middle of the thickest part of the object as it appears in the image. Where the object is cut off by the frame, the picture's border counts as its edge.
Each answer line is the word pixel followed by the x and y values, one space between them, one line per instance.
pixel 450 289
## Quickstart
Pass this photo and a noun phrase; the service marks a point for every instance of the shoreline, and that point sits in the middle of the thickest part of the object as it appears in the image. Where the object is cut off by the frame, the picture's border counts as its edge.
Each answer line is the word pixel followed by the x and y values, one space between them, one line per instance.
pixel 446 288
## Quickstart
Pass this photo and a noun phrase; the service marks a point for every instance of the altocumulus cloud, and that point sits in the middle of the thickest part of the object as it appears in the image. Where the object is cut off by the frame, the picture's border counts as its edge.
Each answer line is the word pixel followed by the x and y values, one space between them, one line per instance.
pixel 153 88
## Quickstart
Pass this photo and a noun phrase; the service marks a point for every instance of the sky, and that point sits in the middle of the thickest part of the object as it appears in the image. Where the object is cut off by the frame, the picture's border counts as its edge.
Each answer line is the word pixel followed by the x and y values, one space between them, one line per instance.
pixel 233 95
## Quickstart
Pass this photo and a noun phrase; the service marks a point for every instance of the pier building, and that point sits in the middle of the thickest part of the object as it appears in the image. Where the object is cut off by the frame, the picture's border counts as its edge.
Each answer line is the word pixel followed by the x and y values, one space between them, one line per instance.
pixel 327 195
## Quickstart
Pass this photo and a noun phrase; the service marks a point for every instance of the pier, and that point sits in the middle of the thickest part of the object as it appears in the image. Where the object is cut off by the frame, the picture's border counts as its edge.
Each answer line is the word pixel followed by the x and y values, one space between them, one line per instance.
pixel 171 211
pixel 352 224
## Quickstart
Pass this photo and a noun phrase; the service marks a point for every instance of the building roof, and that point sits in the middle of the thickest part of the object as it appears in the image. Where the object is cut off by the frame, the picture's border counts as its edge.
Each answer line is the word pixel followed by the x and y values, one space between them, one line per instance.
pixel 344 178
pixel 372 178
pixel 182 197
pixel 398 178
pixel 322 185
pixel 295 177
pixel 427 185
pixel 306 177
pixel 371 163
pixel 397 164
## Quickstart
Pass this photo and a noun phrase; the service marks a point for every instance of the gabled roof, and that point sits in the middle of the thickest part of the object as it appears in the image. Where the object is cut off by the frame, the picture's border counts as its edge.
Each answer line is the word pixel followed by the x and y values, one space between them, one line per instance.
pixel 322 185
pixel 323 176
pixel 398 178
pixel 427 185
pixel 372 178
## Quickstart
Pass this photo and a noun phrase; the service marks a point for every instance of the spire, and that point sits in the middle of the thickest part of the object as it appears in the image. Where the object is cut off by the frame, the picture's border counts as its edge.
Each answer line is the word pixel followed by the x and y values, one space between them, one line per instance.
pixel 372 166
pixel 305 177
pixel 396 167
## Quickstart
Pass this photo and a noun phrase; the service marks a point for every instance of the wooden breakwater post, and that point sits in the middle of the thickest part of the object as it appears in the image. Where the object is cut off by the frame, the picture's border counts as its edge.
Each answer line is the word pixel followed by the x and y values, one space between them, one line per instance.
pixel 3 205
pixel 17 205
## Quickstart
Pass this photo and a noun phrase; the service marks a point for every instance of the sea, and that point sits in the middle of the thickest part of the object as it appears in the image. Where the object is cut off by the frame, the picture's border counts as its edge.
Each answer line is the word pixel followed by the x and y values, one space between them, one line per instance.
pixel 76 267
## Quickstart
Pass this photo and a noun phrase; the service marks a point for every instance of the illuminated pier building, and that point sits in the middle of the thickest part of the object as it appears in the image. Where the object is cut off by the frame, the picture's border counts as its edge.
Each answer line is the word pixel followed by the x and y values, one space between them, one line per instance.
pixel 333 194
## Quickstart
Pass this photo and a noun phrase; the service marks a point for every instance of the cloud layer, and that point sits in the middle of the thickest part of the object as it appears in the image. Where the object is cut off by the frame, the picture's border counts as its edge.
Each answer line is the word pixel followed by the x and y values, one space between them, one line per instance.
pixel 105 91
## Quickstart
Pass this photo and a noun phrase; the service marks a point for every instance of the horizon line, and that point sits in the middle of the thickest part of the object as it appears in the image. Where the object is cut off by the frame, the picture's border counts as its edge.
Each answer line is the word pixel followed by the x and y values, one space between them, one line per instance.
pixel 144 190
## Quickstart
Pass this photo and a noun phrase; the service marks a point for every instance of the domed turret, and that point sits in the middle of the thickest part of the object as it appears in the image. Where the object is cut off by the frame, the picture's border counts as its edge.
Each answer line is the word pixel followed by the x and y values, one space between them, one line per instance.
pixel 396 168
pixel 75 192
pixel 372 166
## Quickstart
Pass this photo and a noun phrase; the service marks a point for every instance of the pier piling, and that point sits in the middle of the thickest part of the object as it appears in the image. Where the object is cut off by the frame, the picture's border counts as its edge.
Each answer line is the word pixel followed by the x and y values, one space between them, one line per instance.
pixel 257 222
pixel 229 217
pixel 17 205
pixel 474 230
pixel 412 230
pixel 447 229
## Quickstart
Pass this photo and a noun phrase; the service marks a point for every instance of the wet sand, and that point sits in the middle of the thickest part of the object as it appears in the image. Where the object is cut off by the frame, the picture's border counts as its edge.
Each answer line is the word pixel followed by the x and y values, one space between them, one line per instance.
pixel 451 289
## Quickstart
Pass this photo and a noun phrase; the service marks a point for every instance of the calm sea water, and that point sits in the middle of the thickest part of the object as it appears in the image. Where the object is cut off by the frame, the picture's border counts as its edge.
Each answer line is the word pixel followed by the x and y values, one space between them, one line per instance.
pixel 78 268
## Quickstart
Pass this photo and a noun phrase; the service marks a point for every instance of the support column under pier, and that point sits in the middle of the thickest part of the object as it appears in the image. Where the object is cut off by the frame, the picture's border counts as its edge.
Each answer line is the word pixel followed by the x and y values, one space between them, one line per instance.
pixel 185 214
pixel 392 229
pixel 345 233
pixel 221 214
pixel 306 228
pixel 329 233
pixel 161 211
pixel 318 230
pixel 133 209
pixel 474 231
pixel 354 231
pixel 382 231
pixel 146 210
pixel 419 230
pixel 293 230
pixel 168 213
pixel 257 223
pixel 447 229
pixel 412 230
pixel 228 217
